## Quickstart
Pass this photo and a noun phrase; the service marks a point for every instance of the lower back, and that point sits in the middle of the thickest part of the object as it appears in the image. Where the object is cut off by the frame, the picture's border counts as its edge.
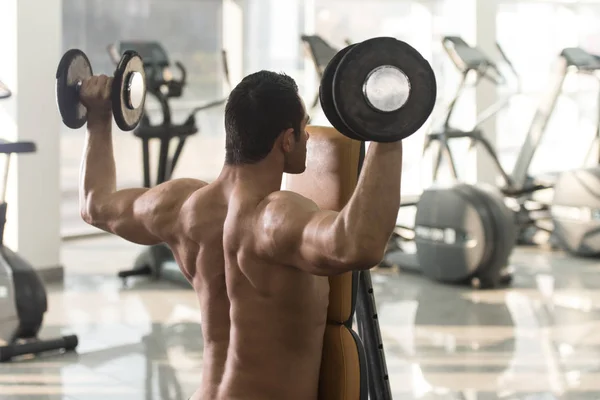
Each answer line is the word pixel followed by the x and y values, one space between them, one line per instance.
pixel 260 365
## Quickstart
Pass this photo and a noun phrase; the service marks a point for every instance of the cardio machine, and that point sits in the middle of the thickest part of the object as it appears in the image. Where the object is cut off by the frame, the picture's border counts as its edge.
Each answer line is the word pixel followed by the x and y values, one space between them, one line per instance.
pixel 158 261
pixel 23 301
pixel 569 217
pixel 575 206
pixel 320 52
pixel 531 216
pixel 462 234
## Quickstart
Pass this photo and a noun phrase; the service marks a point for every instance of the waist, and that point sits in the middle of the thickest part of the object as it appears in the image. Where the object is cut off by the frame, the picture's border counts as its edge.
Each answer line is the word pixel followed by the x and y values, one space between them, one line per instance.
pixel 257 383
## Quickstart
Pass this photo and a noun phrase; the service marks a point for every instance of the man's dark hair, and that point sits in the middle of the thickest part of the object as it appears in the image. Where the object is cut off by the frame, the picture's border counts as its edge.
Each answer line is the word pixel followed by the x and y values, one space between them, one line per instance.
pixel 258 110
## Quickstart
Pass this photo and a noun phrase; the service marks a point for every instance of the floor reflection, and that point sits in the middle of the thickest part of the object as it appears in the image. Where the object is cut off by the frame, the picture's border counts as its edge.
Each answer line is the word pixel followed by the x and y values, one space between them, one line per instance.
pixel 536 340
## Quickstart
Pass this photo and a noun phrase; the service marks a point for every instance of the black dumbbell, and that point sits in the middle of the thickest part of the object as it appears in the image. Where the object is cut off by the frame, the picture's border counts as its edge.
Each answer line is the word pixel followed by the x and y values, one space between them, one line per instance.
pixel 379 90
pixel 128 89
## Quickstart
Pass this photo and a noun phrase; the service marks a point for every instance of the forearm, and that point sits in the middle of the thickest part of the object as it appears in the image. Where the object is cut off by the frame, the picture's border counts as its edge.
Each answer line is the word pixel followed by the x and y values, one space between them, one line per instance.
pixel 98 172
pixel 369 218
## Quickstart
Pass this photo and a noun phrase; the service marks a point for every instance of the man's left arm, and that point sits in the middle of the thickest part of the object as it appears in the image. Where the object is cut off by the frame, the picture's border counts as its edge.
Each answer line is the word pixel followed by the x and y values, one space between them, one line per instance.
pixel 140 215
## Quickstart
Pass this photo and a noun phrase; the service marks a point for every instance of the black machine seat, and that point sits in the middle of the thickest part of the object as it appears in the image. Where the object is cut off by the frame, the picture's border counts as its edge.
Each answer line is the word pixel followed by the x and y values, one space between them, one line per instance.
pixel 320 51
pixel 578 57
pixel 7 147
pixel 468 57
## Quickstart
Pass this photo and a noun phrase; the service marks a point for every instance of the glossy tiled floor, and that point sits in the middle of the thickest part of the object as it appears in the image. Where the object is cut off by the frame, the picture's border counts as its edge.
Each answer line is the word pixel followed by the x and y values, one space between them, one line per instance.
pixel 538 340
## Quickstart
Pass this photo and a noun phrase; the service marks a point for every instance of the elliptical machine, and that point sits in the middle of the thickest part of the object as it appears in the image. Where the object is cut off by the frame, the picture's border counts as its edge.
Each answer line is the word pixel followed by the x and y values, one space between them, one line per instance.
pixel 23 299
pixel 575 206
pixel 158 261
pixel 532 216
pixel 571 216
pixel 463 234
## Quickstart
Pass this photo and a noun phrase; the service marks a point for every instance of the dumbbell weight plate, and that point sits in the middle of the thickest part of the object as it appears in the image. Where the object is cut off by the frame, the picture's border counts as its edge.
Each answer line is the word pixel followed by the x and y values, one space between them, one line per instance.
pixel 384 90
pixel 129 91
pixel 72 69
pixel 326 95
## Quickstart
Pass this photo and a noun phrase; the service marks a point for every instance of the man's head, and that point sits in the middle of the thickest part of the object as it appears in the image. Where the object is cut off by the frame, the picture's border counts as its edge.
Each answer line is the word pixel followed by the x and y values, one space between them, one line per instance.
pixel 264 113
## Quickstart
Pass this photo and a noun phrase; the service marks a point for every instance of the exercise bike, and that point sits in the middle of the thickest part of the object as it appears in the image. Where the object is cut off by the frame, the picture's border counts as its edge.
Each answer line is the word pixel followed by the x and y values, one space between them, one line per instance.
pixel 23 301
pixel 158 261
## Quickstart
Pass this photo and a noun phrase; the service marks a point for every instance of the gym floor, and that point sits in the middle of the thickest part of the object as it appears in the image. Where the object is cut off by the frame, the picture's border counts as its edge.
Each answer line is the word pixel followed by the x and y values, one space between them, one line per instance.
pixel 536 340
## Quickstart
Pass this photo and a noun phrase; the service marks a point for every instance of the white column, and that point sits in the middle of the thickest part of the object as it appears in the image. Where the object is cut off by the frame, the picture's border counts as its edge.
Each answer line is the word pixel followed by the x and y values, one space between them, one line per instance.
pixel 486 93
pixel 233 38
pixel 31 46
pixel 308 27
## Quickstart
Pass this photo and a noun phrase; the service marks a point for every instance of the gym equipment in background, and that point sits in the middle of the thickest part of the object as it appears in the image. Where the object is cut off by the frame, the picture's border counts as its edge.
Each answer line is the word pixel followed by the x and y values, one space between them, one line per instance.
pixel 23 301
pixel 320 52
pixel 575 211
pixel 531 216
pixel 157 261
pixel 370 332
pixel 5 92
pixel 463 233
pixel 569 217
pixel 128 92
pixel 575 206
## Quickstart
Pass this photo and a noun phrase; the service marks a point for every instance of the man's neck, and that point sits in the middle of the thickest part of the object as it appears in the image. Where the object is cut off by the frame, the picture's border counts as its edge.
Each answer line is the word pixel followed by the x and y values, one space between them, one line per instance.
pixel 264 176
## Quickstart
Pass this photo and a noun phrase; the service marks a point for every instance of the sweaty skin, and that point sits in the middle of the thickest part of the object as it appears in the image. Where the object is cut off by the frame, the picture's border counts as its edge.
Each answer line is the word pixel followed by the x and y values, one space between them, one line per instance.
pixel 258 257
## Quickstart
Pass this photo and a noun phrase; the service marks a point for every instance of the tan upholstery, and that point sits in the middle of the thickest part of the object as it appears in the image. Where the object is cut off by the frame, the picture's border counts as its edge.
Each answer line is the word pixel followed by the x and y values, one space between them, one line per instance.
pixel 329 180
pixel 340 365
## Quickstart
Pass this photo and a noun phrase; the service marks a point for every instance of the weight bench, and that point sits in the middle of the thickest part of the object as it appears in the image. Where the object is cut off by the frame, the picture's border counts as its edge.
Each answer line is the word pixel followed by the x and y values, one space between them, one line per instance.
pixel 353 365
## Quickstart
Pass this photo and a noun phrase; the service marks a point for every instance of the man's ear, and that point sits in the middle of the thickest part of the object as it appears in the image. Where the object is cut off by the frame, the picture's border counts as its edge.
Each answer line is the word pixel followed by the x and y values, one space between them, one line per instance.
pixel 288 140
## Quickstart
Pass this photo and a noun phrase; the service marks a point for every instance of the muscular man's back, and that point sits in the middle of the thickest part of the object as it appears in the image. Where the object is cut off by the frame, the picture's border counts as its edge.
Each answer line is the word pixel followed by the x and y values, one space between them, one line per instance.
pixel 263 322
pixel 258 257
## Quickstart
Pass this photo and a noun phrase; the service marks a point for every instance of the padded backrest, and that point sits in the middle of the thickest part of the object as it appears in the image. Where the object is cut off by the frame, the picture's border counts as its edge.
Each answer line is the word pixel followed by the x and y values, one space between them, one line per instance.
pixel 329 180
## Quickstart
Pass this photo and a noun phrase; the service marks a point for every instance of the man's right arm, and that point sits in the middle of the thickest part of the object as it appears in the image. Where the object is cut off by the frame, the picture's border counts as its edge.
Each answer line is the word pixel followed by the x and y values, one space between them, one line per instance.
pixel 294 231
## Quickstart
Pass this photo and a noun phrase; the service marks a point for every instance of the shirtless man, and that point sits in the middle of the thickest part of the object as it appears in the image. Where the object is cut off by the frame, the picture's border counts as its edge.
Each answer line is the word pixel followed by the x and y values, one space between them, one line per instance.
pixel 258 257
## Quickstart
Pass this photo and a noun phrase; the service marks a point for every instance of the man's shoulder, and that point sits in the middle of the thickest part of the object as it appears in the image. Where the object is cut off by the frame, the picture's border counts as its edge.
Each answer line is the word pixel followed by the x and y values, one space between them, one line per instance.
pixel 185 184
pixel 285 200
